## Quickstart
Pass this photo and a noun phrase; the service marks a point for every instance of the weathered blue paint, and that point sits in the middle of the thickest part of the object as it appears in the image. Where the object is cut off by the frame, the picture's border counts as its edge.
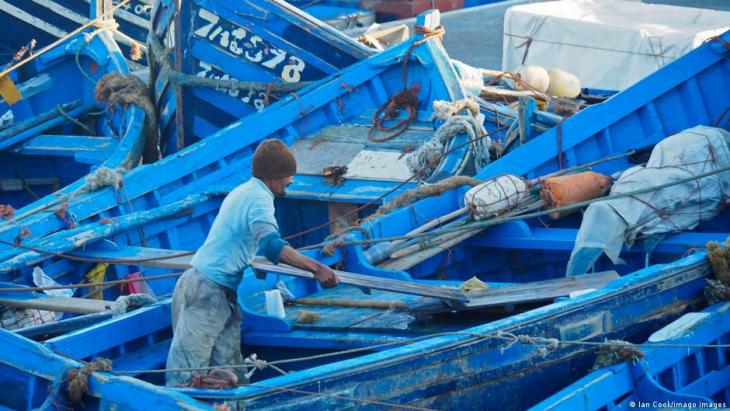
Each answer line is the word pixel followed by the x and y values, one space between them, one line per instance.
pixel 46 21
pixel 266 41
pixel 38 151
pixel 690 375
pixel 32 378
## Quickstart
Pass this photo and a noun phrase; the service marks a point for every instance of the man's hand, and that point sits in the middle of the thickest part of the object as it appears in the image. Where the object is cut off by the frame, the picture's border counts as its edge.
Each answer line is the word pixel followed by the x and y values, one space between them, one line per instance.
pixel 326 277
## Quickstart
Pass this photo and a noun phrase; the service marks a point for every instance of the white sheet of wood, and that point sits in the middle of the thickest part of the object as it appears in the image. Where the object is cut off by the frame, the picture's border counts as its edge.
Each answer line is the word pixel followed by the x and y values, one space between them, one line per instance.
pixel 379 165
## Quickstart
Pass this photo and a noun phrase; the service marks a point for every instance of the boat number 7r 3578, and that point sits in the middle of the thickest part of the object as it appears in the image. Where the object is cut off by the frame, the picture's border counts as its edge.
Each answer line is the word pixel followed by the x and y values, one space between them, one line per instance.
pixel 238 41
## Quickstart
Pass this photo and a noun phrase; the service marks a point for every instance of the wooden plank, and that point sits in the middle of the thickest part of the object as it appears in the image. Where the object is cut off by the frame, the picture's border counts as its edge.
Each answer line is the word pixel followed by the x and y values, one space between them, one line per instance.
pixel 441 244
pixel 69 146
pixel 368 281
pixel 61 304
pixel 260 263
pixel 523 293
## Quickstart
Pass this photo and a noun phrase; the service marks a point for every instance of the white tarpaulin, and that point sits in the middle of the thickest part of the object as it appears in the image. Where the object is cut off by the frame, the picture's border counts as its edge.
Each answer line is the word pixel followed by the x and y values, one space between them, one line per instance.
pixel 607 44
pixel 608 224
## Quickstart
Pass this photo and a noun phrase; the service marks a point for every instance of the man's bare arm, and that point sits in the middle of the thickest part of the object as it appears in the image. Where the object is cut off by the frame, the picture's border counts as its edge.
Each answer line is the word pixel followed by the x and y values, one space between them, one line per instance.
pixel 326 277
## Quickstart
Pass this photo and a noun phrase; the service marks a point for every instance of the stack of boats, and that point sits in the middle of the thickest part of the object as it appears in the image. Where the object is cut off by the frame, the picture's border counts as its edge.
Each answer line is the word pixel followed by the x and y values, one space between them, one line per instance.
pixel 491 254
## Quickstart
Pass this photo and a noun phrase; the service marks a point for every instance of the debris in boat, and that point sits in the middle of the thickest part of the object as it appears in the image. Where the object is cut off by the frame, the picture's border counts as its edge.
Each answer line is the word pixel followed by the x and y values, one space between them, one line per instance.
pixel 424 191
pixel 23 51
pixel 135 53
pixel 444 110
pixel 78 378
pixel 216 379
pixel 569 189
pixel 496 196
pixel 380 39
pixel 424 158
pixel 716 291
pixel 616 351
pixel 286 294
pixel 307 317
pixel 719 257
pixel 126 303
pixel 665 208
pixel 19 318
pixel 473 284
pixel 136 287
pixel 6 211
pixel 335 174
pixel 96 275
pixel 115 88
pixel 40 279
pixel 390 111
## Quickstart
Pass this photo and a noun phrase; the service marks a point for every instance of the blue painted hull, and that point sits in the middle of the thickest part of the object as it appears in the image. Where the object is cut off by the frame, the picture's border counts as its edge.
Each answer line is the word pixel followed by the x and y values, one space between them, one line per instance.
pixel 694 375
pixel 43 162
pixel 48 20
pixel 228 39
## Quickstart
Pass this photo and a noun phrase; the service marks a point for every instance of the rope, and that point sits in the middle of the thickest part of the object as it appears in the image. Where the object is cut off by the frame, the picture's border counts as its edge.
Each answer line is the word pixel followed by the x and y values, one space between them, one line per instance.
pixel 159 56
pixel 405 99
pixel 616 351
pixel 530 38
pixel 78 378
pixel 428 190
pixel 99 22
pixel 119 89
pixel 73 120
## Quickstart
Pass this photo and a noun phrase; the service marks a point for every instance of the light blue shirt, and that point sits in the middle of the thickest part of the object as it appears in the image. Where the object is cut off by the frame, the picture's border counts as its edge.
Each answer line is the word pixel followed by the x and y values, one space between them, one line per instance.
pixel 244 219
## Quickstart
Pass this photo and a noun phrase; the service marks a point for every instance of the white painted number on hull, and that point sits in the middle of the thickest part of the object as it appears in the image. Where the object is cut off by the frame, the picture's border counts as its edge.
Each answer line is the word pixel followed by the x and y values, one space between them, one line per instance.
pixel 240 42
pixel 251 97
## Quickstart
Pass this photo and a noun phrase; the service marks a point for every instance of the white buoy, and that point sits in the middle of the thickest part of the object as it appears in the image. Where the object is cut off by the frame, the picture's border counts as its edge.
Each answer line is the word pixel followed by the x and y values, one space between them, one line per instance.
pixel 563 84
pixel 537 77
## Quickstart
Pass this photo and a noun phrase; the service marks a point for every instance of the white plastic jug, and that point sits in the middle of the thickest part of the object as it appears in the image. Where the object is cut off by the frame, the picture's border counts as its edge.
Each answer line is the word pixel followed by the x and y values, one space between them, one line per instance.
pixel 275 304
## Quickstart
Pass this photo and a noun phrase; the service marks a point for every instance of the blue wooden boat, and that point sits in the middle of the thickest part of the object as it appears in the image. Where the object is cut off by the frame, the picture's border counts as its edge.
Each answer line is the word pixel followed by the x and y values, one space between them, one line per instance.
pixel 450 361
pixel 46 21
pixel 56 135
pixel 215 78
pixel 676 372
pixel 200 174
pixel 42 368
pixel 270 42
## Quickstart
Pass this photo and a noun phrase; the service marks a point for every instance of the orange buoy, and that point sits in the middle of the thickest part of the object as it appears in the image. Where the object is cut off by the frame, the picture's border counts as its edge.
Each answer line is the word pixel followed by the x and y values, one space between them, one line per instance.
pixel 573 188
